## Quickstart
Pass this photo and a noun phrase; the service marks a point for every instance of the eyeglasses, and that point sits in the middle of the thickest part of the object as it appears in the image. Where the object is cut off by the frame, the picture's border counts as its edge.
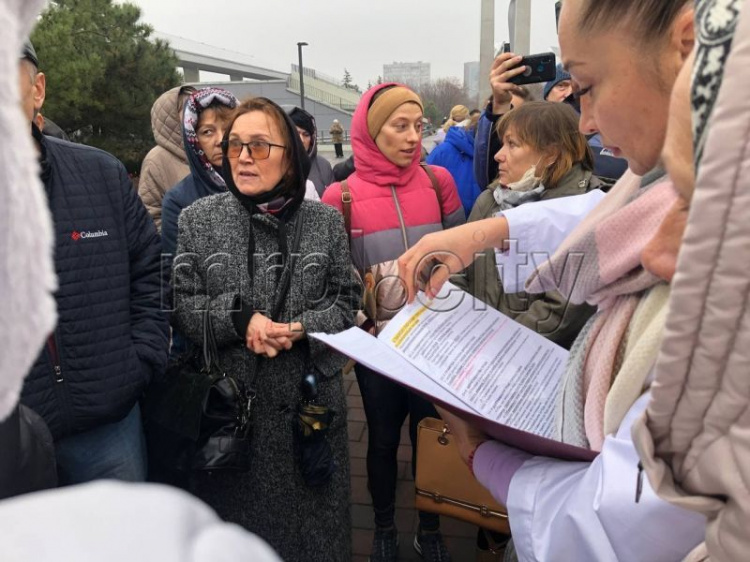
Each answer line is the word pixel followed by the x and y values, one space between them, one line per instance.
pixel 258 150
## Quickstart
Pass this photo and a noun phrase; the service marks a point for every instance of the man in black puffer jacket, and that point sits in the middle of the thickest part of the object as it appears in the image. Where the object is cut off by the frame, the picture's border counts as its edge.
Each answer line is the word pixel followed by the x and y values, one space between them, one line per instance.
pixel 112 335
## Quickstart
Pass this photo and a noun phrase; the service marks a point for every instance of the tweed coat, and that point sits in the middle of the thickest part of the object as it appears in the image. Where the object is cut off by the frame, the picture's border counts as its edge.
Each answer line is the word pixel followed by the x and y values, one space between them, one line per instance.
pixel 210 268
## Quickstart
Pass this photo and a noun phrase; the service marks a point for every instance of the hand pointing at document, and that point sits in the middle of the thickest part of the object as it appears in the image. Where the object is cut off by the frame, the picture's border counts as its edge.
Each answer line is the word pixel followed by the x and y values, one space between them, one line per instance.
pixel 430 263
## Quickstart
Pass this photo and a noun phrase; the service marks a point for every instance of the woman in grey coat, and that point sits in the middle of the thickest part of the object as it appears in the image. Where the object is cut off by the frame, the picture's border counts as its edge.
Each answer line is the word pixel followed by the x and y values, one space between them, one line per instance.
pixel 265 167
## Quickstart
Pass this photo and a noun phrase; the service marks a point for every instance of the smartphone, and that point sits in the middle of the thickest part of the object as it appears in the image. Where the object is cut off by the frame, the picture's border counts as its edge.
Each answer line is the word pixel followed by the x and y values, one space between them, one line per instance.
pixel 539 68
pixel 505 48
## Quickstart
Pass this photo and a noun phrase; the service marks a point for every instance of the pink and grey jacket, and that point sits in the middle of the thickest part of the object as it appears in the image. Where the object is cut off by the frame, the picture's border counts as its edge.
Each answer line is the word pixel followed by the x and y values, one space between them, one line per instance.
pixel 392 208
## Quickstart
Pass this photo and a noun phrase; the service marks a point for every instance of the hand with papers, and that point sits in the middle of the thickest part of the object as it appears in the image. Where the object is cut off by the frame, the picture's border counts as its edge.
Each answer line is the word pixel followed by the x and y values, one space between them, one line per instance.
pixel 474 361
pixel 431 261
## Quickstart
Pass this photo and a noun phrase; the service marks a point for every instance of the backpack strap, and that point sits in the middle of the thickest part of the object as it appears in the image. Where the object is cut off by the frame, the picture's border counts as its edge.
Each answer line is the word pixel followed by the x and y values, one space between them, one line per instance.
pixel 435 184
pixel 346 207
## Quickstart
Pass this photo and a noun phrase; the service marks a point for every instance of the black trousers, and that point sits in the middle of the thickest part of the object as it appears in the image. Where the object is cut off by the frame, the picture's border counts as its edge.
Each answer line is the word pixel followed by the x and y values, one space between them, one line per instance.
pixel 339 150
pixel 386 406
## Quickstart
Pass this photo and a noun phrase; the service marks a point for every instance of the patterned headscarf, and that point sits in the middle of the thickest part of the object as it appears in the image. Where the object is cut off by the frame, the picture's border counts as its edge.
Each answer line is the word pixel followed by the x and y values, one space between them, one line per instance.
pixel 195 105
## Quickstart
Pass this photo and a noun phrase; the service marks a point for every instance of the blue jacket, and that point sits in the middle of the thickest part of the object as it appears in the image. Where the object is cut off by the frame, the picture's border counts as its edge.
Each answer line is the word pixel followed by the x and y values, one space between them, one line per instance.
pixel 111 335
pixel 485 167
pixel 196 185
pixel 456 154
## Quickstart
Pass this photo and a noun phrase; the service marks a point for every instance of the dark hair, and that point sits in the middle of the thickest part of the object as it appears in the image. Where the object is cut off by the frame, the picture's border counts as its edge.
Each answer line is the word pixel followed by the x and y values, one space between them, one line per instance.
pixel 523 92
pixel 379 93
pixel 550 129
pixel 653 18
pixel 224 113
pixel 271 110
pixel 183 95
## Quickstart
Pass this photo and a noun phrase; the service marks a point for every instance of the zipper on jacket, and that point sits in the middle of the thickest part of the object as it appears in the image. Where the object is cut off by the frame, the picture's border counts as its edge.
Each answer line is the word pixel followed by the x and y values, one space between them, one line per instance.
pixel 639 484
pixel 61 389
pixel 54 353
pixel 400 218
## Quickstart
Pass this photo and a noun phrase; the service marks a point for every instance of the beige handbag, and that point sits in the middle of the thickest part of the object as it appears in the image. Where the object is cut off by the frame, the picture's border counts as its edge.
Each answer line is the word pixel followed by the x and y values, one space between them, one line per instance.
pixel 445 484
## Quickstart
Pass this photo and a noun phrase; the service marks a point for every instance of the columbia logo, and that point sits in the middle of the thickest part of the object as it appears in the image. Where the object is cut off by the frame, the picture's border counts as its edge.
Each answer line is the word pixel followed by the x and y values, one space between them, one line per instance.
pixel 76 236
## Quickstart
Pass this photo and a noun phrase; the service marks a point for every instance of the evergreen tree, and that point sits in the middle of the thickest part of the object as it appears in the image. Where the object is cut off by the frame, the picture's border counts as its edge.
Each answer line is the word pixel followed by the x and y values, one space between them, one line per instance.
pixel 104 73
pixel 347 82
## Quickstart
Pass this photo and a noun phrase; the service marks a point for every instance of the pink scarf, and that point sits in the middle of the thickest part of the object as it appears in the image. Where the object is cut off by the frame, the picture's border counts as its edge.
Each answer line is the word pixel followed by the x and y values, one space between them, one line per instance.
pixel 600 263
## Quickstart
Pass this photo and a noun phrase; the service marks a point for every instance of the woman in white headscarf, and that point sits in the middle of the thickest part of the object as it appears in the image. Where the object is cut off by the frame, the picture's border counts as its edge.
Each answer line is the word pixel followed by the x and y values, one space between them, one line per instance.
pixel 693 440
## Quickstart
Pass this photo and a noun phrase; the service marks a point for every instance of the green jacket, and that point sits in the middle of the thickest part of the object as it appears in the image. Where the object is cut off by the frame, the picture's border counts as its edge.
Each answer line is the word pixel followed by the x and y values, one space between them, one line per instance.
pixel 549 314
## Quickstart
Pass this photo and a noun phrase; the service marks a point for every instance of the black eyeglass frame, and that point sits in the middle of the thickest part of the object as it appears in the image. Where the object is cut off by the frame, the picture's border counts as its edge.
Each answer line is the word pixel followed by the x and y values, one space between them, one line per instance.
pixel 246 145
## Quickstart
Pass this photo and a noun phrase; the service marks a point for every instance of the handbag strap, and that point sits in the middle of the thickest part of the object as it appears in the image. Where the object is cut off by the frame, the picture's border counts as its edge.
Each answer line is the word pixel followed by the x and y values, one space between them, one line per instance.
pixel 346 209
pixel 210 348
pixel 286 280
pixel 435 184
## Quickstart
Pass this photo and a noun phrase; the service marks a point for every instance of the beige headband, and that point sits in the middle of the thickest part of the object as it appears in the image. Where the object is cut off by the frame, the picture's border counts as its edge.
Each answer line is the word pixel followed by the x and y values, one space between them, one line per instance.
pixel 386 104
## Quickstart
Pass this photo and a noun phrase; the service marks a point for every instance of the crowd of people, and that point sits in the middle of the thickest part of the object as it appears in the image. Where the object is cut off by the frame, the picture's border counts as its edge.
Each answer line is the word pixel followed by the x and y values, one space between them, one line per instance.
pixel 243 239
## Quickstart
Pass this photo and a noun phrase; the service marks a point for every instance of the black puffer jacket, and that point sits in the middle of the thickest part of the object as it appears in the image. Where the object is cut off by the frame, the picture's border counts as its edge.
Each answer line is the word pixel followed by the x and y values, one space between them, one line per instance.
pixel 112 335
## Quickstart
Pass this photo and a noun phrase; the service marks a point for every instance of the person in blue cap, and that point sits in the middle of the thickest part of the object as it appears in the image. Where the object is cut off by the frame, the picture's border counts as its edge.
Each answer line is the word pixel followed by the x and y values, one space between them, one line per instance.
pixel 560 88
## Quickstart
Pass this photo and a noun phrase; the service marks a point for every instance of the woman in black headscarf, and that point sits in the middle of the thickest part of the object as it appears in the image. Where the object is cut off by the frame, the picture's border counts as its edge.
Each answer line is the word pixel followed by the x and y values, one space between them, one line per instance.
pixel 321 173
pixel 272 268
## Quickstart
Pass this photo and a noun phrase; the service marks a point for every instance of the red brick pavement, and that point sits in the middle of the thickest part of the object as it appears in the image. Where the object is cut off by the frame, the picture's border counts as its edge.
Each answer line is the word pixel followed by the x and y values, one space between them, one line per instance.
pixel 460 537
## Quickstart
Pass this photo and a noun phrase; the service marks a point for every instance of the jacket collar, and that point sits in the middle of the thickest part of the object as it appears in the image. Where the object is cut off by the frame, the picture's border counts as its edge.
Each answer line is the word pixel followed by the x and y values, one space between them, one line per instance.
pixel 44 165
pixel 462 139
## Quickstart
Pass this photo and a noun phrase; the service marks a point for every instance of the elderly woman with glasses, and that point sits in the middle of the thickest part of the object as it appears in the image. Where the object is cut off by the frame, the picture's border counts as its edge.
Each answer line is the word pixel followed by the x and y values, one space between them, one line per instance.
pixel 271 268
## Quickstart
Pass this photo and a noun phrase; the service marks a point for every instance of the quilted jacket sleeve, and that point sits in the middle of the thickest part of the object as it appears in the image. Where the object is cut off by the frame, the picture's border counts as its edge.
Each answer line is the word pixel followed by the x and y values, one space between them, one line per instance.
pixel 151 188
pixel 149 324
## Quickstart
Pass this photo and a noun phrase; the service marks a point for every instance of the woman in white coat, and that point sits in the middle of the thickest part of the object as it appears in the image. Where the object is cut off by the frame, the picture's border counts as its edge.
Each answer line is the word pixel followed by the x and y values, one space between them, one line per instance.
pixel 588 511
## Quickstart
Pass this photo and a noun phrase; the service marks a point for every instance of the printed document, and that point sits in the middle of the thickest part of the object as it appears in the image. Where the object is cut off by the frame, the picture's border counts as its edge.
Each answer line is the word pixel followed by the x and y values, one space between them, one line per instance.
pixel 473 356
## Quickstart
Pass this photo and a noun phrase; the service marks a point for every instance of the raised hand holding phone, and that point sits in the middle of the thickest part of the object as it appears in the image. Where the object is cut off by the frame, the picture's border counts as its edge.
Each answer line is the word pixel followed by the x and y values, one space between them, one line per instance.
pixel 505 67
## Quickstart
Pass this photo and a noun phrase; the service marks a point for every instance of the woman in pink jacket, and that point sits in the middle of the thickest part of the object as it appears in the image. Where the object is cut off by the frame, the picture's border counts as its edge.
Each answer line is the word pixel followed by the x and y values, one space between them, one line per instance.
pixel 389 203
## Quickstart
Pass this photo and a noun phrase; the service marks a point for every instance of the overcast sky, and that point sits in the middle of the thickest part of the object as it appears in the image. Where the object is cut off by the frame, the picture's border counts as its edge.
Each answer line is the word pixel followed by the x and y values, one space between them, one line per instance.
pixel 355 34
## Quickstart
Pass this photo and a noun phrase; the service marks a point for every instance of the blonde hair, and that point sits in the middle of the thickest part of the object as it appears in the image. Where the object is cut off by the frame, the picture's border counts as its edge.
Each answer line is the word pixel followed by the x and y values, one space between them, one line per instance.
pixel 459 114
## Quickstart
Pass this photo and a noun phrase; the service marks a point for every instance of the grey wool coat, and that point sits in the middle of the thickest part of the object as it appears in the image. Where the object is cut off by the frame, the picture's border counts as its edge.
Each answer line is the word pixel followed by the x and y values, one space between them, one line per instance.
pixel 271 500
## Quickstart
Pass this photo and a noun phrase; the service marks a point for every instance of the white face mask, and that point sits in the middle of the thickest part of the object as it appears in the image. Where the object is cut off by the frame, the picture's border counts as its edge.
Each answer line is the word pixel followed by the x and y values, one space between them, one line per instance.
pixel 528 182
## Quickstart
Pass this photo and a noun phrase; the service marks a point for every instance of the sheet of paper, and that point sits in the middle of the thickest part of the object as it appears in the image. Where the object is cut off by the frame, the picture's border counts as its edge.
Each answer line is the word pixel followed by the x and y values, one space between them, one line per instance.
pixel 378 356
pixel 371 352
pixel 507 372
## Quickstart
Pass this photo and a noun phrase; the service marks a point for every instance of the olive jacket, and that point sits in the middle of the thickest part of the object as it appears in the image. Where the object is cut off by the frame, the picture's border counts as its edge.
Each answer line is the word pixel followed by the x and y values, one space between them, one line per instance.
pixel 549 314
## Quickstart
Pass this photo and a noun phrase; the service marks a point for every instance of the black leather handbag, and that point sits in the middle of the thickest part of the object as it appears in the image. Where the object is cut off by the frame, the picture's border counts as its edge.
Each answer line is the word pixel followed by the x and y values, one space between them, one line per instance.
pixel 197 416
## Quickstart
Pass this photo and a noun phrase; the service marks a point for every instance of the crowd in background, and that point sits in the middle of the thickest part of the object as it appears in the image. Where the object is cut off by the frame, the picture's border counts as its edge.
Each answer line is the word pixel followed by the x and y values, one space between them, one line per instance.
pixel 242 238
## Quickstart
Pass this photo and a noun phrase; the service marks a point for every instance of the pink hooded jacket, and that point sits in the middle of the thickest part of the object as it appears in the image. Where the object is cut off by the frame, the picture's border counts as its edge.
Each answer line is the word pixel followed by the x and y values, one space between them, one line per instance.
pixel 392 208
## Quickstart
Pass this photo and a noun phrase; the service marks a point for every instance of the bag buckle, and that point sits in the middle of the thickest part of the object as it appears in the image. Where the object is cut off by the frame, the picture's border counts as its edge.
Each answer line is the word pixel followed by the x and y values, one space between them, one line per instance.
pixel 346 197
pixel 251 395
pixel 443 440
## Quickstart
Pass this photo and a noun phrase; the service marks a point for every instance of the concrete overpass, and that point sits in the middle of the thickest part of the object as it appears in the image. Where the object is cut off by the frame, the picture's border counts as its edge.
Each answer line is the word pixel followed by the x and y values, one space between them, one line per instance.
pixel 194 56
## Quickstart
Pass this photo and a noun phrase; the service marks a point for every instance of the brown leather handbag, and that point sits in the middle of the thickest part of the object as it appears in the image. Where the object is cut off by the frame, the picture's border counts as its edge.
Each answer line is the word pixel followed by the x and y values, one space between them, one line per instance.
pixel 445 484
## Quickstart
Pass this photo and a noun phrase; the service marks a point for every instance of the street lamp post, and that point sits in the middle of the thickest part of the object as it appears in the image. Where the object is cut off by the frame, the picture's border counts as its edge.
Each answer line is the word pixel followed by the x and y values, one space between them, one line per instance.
pixel 301 74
